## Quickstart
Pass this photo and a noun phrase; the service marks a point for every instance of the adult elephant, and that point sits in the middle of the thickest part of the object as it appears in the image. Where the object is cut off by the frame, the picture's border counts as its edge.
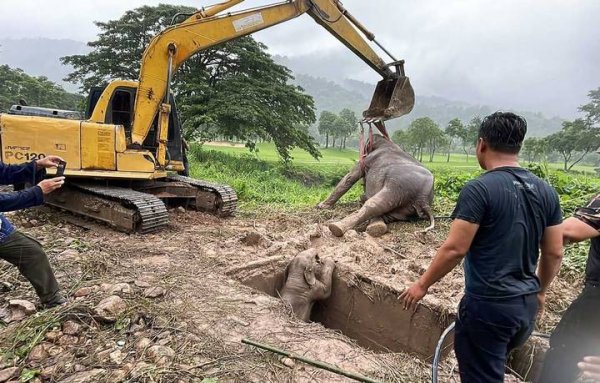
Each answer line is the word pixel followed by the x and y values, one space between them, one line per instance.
pixel 397 187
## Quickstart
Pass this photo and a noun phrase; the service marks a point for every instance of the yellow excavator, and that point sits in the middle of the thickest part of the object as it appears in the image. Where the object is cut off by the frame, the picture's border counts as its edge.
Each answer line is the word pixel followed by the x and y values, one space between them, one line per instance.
pixel 126 160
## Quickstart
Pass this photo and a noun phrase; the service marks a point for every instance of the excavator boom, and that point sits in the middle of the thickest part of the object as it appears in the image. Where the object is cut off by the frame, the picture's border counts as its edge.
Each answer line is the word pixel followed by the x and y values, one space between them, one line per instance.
pixel 208 28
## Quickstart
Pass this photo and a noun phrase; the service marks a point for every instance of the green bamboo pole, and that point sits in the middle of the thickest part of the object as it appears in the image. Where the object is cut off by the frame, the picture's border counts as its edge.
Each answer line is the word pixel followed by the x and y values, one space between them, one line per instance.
pixel 315 363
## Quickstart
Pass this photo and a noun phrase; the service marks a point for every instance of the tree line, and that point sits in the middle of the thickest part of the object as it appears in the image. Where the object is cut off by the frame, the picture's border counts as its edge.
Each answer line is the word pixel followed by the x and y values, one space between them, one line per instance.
pixel 17 85
pixel 571 144
pixel 337 126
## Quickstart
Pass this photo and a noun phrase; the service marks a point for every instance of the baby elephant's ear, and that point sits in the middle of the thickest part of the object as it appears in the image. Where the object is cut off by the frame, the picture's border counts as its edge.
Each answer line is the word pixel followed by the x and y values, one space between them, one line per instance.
pixel 309 276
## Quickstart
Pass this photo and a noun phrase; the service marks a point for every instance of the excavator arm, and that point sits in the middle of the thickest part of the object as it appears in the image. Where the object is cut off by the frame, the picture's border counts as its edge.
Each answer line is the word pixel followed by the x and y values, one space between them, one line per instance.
pixel 207 28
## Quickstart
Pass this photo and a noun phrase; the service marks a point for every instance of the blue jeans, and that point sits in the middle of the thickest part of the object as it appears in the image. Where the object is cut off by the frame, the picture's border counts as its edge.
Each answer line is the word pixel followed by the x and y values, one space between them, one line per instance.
pixel 487 330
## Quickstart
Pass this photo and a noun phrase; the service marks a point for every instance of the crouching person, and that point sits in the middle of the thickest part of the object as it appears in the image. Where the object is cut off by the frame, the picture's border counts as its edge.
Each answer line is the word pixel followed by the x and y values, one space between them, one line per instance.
pixel 18 248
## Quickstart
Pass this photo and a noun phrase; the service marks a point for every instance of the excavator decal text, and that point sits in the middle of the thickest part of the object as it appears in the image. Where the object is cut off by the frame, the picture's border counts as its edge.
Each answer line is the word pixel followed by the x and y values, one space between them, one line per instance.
pixel 21 153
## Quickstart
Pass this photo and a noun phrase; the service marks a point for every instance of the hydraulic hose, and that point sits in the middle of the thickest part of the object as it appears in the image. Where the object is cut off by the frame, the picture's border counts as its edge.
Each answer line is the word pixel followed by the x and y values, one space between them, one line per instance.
pixel 438 352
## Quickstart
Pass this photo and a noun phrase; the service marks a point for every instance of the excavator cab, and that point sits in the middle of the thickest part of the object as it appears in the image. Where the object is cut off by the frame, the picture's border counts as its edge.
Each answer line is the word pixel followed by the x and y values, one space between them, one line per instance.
pixel 393 97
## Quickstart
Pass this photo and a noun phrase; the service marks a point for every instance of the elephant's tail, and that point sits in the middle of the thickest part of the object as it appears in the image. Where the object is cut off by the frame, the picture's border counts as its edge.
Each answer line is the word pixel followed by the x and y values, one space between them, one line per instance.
pixel 426 211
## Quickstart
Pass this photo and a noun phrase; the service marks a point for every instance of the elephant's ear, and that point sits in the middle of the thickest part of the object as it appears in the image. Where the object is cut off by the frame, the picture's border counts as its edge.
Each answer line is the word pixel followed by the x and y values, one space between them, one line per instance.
pixel 309 276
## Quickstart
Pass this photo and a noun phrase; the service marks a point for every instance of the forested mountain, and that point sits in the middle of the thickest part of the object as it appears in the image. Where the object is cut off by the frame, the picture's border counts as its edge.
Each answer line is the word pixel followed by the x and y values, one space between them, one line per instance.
pixel 356 95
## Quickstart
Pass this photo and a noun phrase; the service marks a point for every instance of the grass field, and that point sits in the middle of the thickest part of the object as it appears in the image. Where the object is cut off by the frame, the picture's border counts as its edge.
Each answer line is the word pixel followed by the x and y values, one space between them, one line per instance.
pixel 267 152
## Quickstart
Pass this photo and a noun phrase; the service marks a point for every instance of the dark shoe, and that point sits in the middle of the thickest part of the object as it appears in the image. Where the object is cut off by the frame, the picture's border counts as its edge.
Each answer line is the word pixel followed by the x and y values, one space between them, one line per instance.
pixel 57 300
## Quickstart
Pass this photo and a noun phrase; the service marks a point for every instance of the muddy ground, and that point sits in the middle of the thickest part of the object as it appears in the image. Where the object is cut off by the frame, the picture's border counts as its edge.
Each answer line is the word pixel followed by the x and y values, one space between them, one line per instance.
pixel 176 304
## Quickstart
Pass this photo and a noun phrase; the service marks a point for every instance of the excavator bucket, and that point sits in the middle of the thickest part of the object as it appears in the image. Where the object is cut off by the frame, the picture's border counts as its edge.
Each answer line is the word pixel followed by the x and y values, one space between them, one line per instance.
pixel 393 97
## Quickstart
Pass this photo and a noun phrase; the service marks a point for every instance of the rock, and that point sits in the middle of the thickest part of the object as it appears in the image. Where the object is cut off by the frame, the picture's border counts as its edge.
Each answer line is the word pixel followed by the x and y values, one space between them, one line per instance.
pixel 109 308
pixel 161 355
pixel 69 254
pixel 180 209
pixel 252 238
pixel 83 292
pixel 288 362
pixel 38 354
pixel 54 351
pixel 120 288
pixel 20 309
pixel 142 344
pixel 90 376
pixel 71 328
pixel 141 284
pixel 48 372
pixel 103 356
pixel 117 357
pixel 154 292
pixel 121 343
pixel 8 373
pixel 53 336
pixel 68 340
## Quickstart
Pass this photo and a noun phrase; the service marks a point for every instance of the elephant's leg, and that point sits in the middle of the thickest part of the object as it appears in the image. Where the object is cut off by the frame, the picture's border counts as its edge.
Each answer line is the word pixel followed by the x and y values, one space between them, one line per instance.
pixel 377 227
pixel 342 187
pixel 382 202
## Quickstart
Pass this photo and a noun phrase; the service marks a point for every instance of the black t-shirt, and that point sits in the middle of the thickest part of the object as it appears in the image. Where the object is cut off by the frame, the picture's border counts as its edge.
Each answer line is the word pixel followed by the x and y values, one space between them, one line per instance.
pixel 591 215
pixel 513 207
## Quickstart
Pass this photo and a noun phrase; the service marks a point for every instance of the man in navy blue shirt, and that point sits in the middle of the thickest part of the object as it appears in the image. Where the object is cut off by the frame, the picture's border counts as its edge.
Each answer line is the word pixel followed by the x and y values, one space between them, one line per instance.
pixel 18 248
pixel 501 221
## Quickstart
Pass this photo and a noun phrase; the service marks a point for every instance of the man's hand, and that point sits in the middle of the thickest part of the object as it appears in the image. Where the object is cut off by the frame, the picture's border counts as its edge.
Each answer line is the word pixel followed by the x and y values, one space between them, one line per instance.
pixel 47 162
pixel 51 184
pixel 541 297
pixel 590 367
pixel 413 295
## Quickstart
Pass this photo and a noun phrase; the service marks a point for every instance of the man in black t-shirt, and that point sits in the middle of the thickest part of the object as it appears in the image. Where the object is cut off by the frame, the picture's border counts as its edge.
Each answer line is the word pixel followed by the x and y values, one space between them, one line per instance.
pixel 578 333
pixel 501 221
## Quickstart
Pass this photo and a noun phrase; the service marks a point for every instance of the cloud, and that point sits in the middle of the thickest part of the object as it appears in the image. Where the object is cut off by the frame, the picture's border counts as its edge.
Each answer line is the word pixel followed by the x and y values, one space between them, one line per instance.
pixel 524 54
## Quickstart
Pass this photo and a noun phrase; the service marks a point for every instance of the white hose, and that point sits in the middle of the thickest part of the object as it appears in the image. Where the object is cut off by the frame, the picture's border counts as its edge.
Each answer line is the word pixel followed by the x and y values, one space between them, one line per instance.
pixel 438 352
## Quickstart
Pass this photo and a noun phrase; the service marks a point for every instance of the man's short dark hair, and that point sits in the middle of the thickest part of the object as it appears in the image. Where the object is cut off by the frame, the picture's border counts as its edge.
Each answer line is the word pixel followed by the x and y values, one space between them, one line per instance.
pixel 503 132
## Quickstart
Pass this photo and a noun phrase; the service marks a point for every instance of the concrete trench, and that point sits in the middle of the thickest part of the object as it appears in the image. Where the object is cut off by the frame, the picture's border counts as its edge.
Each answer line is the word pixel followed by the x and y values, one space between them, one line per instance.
pixel 371 314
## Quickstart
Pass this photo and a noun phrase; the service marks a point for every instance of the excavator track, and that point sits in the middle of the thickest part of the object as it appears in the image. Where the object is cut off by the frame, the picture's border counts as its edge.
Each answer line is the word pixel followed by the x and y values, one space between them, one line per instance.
pixel 122 208
pixel 225 203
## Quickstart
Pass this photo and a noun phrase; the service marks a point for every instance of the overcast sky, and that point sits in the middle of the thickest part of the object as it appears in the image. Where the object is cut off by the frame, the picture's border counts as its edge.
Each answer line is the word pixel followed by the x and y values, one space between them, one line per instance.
pixel 538 55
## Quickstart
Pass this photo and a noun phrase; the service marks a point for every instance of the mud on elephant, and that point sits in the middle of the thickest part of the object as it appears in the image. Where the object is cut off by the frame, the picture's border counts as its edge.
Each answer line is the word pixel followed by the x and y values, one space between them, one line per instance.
pixel 397 187
pixel 307 279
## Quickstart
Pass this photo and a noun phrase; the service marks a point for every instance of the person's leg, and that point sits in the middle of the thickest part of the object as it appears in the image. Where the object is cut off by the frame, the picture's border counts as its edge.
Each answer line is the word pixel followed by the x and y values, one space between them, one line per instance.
pixel 31 260
pixel 528 316
pixel 577 335
pixel 481 336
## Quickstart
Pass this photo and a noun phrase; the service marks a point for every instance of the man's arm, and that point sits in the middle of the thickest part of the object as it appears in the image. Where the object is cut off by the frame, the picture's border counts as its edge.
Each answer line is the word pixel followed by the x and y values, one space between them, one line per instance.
pixel 550 260
pixel 576 230
pixel 32 172
pixel 447 257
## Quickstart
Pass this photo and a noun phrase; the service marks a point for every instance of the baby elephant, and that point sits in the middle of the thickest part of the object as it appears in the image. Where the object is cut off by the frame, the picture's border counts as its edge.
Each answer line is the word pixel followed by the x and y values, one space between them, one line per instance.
pixel 397 187
pixel 307 279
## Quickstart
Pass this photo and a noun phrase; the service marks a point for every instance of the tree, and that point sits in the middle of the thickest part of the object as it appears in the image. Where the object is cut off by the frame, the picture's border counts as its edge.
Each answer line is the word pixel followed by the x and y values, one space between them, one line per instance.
pixel 348 123
pixel 592 109
pixel 575 140
pixel 455 130
pixel 39 91
pixel 234 89
pixel 327 123
pixel 472 134
pixel 535 149
pixel 424 133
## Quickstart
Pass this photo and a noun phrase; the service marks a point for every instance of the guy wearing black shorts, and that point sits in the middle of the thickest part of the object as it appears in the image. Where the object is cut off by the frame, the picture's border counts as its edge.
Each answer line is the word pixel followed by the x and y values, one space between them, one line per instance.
pixel 501 221
pixel 578 333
